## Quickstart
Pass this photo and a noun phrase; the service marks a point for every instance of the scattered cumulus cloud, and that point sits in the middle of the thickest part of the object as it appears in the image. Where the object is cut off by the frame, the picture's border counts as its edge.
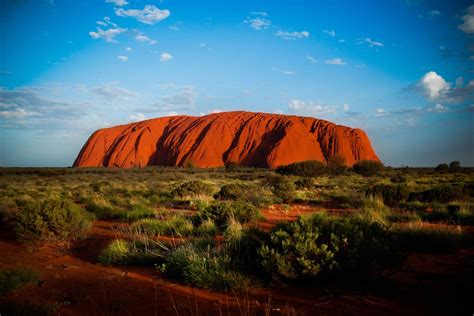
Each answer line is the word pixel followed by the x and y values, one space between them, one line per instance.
pixel 164 57
pixel 292 35
pixel 107 35
pixel 122 58
pixel 128 49
pixel 434 85
pixel 331 33
pixel 183 99
pixel 468 21
pixel 149 15
pixel 258 21
pixel 142 38
pixel 119 3
pixel 430 14
pixel 311 59
pixel 176 26
pixel 137 117
pixel 336 61
pixel 310 108
pixel 368 41
pixel 285 72
pixel 111 91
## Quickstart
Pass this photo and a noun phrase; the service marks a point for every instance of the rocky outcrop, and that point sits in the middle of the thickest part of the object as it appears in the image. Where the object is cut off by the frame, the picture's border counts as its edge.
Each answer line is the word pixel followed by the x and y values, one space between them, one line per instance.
pixel 247 138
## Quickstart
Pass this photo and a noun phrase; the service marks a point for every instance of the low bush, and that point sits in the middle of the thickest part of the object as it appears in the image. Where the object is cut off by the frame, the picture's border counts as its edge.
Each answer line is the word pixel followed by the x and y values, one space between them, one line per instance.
pixel 221 212
pixel 318 245
pixel 50 219
pixel 15 278
pixel 207 228
pixel 444 194
pixel 392 195
pixel 191 189
pixel 336 164
pixel 368 168
pixel 304 183
pixel 309 168
pixel 136 212
pixel 284 189
pixel 422 238
pixel 249 193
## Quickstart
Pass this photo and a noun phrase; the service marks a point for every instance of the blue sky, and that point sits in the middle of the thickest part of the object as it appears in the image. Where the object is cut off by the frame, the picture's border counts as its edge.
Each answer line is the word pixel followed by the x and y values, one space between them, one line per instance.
pixel 401 70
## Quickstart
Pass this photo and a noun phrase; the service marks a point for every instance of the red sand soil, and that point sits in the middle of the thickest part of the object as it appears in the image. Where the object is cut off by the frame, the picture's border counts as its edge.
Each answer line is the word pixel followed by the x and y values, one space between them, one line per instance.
pixel 72 280
pixel 246 138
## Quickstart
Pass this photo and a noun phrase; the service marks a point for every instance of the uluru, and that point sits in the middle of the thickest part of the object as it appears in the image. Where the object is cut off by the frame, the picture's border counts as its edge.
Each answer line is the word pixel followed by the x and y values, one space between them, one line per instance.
pixel 245 138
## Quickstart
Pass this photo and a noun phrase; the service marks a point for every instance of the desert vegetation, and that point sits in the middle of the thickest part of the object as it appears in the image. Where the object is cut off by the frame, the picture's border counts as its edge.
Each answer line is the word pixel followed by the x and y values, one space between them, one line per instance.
pixel 235 229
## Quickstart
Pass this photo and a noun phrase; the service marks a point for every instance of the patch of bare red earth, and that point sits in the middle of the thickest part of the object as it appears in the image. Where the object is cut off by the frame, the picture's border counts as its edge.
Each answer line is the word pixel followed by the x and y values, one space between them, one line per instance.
pixel 72 279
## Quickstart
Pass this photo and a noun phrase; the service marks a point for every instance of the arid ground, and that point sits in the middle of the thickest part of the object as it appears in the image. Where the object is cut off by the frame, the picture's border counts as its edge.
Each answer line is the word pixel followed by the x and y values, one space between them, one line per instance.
pixel 118 252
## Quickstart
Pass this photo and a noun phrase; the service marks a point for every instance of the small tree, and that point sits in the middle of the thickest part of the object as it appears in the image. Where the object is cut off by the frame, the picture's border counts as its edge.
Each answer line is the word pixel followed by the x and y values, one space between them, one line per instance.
pixel 455 166
pixel 442 167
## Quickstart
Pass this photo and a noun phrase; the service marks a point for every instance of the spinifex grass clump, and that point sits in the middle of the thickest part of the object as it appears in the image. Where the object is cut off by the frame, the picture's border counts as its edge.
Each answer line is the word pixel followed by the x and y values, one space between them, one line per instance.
pixel 175 226
pixel 204 265
pixel 141 251
pixel 51 219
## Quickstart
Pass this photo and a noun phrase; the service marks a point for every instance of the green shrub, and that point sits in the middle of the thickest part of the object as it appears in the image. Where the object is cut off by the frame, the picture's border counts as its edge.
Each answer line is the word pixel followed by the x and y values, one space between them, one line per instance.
pixel 284 189
pixel 444 194
pixel 50 219
pixel 455 166
pixel 336 164
pixel 221 212
pixel 249 193
pixel 231 166
pixel 443 167
pixel 304 183
pixel 204 267
pixel 316 245
pixel 13 279
pixel 192 188
pixel 309 168
pixel 368 167
pixel 392 195
pixel 422 238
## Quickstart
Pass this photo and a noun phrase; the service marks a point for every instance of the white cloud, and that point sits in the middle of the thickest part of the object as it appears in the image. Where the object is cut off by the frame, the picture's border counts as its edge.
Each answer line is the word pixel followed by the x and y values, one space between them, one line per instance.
pixel 137 117
pixel 434 85
pixel 336 61
pixel 468 21
pixel 176 26
pixel 122 58
pixel 369 42
pixel 341 41
pixel 380 112
pixel 164 57
pixel 211 112
pixel 438 108
pixel 149 15
pixel 15 113
pixel 111 92
pixel 310 108
pixel 107 35
pixel 331 33
pixel 262 13
pixel 345 107
pixel 202 45
pixel 292 35
pixel 128 49
pixel 145 39
pixel 459 82
pixel 311 59
pixel 285 72
pixel 258 23
pixel 119 3
pixel 183 99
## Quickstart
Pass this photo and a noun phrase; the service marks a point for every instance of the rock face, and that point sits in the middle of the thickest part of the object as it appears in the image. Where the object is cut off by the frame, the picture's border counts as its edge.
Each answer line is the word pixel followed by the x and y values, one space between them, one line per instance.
pixel 247 138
